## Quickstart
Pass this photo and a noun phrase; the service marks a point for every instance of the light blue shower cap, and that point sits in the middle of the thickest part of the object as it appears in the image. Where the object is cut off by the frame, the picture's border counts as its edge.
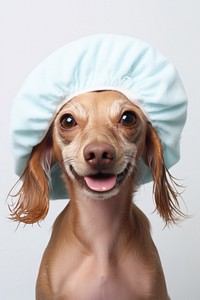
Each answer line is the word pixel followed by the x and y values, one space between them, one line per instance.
pixel 99 62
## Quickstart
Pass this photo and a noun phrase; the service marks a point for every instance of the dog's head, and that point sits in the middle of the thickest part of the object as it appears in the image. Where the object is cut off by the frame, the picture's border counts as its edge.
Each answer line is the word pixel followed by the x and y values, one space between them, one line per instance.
pixel 97 138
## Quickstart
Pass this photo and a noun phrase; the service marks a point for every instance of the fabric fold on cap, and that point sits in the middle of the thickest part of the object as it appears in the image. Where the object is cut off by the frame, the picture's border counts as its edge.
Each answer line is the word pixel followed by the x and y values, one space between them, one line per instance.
pixel 99 62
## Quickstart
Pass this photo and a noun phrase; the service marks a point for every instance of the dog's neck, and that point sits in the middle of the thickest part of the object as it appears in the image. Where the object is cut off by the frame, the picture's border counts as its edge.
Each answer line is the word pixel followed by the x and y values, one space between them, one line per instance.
pixel 101 225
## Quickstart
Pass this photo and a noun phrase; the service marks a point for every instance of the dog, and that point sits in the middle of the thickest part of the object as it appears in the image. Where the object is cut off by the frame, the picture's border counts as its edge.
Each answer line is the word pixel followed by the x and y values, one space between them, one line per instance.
pixel 101 245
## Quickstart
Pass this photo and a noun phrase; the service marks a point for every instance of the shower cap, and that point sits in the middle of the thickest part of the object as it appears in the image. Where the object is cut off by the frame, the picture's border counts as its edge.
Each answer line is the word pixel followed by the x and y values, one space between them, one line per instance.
pixel 99 62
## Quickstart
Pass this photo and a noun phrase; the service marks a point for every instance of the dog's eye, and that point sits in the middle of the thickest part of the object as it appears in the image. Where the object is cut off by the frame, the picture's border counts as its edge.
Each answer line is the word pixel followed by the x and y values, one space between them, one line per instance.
pixel 128 118
pixel 67 121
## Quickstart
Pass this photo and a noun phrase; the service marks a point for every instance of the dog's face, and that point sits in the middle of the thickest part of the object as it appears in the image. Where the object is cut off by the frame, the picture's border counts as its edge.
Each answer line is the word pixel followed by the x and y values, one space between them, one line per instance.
pixel 98 137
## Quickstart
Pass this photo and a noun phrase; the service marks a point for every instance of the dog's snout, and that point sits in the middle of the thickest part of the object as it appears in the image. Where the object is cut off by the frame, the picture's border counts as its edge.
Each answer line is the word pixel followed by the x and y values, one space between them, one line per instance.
pixel 99 155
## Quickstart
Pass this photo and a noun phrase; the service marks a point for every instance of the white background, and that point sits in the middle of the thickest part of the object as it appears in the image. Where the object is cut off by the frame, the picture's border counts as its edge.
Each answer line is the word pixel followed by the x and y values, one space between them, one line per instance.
pixel 32 29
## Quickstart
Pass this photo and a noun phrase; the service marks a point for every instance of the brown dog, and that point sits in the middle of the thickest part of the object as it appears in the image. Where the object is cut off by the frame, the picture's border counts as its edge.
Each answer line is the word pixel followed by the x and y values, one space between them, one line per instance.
pixel 101 247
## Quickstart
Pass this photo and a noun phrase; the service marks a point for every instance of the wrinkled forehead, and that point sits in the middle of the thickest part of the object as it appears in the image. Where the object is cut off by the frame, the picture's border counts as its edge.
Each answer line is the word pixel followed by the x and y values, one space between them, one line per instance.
pixel 100 102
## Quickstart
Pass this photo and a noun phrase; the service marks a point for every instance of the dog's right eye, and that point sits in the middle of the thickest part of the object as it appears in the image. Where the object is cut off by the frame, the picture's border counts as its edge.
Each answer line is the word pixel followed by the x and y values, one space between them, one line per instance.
pixel 67 121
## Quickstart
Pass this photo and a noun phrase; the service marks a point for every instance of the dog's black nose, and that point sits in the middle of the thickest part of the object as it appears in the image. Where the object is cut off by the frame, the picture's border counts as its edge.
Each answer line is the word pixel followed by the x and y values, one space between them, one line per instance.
pixel 99 155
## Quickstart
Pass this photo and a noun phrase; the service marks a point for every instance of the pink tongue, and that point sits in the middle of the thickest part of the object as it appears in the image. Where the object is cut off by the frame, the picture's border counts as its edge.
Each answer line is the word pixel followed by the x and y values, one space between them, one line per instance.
pixel 101 184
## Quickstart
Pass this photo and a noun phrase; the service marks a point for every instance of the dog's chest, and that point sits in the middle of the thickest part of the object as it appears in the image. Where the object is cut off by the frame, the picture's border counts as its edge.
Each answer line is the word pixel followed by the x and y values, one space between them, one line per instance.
pixel 94 281
pixel 100 288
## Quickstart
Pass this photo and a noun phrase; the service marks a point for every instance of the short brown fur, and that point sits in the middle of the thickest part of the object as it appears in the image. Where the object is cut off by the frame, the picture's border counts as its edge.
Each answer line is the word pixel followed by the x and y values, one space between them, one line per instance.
pixel 100 237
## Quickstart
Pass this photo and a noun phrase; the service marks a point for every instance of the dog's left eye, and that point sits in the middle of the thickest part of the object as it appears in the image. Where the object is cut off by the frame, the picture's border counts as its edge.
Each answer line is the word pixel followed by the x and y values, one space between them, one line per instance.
pixel 67 121
pixel 128 118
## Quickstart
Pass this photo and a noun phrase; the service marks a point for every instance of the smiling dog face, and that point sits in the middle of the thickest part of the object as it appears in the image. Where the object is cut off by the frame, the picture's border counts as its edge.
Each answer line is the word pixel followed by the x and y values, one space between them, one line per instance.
pixel 98 138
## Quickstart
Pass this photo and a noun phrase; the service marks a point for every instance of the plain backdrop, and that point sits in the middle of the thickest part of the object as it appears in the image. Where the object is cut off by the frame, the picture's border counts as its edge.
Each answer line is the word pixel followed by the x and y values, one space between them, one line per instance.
pixel 30 31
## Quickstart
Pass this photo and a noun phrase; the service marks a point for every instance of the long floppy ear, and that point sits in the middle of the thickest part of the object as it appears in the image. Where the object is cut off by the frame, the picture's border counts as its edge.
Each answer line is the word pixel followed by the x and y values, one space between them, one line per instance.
pixel 164 187
pixel 33 196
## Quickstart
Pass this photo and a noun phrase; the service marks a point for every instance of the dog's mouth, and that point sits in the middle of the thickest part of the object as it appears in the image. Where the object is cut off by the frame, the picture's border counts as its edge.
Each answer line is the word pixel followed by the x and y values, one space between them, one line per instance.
pixel 102 182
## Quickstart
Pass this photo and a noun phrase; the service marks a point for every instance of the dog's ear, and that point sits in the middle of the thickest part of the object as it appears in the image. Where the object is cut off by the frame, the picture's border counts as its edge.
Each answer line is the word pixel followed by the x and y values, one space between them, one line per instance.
pixel 164 186
pixel 33 196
